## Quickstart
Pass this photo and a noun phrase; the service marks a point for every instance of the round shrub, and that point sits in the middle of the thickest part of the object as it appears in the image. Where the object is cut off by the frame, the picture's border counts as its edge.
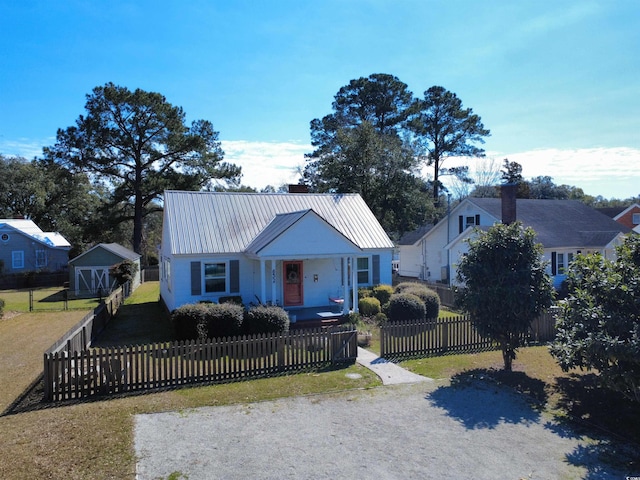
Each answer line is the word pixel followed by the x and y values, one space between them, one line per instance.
pixel 265 319
pixel 364 292
pixel 405 306
pixel 185 320
pixel 369 306
pixel 429 297
pixel 222 320
pixel 383 293
pixel 401 287
pixel 380 319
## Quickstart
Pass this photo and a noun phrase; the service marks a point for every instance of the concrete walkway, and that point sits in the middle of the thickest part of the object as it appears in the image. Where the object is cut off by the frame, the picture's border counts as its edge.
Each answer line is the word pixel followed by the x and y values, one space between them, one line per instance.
pixel 389 372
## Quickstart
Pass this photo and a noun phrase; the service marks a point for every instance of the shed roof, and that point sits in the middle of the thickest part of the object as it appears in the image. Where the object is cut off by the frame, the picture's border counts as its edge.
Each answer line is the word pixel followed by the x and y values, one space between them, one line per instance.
pixel 114 248
pixel 228 222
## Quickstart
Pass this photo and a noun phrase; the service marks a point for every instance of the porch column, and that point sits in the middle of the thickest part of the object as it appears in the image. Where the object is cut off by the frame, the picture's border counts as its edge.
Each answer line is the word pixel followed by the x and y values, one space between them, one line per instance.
pixel 345 286
pixel 263 279
pixel 354 283
pixel 273 282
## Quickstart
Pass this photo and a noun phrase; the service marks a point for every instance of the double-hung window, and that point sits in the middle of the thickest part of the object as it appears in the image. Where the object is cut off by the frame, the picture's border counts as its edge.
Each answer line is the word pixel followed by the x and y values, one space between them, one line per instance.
pixel 635 218
pixel 560 265
pixel 41 258
pixel 363 270
pixel 17 259
pixel 215 277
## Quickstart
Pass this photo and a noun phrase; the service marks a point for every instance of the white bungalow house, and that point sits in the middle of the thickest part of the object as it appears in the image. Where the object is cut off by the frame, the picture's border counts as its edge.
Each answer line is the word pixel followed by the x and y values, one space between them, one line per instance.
pixel 298 251
pixel 565 228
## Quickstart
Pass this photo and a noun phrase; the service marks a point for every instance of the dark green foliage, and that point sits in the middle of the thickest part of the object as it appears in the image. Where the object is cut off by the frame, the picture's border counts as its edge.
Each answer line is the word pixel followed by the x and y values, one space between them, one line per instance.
pixel 369 306
pixel 429 297
pixel 505 284
pixel 364 292
pixel 186 319
pixel 141 145
pixel 599 323
pixel 207 320
pixel 222 320
pixel 401 287
pixel 124 271
pixel 1 308
pixel 383 293
pixel 265 319
pixel 405 306
pixel 380 319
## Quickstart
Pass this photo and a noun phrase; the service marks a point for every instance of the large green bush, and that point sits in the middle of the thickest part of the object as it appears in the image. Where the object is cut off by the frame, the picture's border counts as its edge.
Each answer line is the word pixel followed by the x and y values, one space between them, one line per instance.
pixel 266 319
pixel 222 320
pixel 429 297
pixel 405 306
pixel 401 287
pixel 369 306
pixel 185 320
pixel 383 293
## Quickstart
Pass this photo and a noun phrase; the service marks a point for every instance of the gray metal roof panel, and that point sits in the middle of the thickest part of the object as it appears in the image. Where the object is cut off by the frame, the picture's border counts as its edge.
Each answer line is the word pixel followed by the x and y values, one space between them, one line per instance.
pixel 225 222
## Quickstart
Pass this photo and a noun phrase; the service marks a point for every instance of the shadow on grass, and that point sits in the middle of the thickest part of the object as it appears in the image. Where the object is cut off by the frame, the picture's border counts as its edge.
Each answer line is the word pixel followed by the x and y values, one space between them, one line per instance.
pixel 32 399
pixel 612 420
pixel 137 324
pixel 478 399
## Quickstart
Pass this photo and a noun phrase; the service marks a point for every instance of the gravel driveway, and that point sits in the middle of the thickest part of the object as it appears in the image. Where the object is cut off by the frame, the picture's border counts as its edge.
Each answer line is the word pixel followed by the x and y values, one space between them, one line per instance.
pixel 419 431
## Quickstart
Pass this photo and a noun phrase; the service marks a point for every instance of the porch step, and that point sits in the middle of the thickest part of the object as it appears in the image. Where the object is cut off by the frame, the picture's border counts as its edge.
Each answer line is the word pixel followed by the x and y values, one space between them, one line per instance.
pixel 321 322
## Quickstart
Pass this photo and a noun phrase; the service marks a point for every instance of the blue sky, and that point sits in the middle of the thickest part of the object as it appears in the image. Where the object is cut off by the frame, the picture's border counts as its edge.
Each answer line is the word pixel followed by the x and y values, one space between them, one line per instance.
pixel 556 82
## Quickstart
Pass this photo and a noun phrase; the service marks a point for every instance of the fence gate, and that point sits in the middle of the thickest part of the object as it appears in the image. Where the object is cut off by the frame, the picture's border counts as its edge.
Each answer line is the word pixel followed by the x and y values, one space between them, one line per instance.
pixel 344 346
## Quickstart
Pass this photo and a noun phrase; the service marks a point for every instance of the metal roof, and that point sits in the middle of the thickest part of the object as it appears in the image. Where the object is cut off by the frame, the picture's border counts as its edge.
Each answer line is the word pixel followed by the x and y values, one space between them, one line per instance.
pixel 28 227
pixel 228 222
pixel 114 248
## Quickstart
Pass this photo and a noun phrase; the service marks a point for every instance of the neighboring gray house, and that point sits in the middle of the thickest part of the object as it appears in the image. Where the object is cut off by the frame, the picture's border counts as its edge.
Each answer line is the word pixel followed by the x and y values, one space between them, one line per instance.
pixel 89 271
pixel 294 250
pixel 24 247
pixel 565 228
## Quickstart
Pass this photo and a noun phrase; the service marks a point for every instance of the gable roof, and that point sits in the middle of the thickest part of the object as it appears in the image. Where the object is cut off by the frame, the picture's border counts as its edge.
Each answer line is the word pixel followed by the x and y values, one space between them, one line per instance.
pixel 114 248
pixel 229 222
pixel 560 223
pixel 409 238
pixel 624 211
pixel 28 227
pixel 278 226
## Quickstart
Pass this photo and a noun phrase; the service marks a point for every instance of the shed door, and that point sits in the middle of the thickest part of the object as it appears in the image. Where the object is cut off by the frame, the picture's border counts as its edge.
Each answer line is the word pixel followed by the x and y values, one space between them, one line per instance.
pixel 292 279
pixel 91 279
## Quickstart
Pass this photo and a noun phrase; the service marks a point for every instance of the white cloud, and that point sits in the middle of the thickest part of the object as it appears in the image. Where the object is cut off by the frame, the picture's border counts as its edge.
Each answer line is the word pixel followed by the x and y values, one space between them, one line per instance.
pixel 610 172
pixel 266 163
pixel 25 147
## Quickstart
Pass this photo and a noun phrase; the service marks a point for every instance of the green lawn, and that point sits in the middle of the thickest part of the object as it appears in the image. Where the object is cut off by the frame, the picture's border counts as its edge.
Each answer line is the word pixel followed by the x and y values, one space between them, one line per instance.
pixel 44 299
pixel 94 440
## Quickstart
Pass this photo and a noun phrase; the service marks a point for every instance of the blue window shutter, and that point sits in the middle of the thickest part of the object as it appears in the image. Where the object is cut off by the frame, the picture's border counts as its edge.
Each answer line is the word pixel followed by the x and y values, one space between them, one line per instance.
pixel 376 269
pixel 234 276
pixel 553 263
pixel 460 224
pixel 196 279
pixel 477 220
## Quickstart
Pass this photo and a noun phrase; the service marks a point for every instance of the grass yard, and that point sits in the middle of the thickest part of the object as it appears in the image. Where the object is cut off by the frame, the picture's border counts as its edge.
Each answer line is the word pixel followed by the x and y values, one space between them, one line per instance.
pixel 43 299
pixel 94 440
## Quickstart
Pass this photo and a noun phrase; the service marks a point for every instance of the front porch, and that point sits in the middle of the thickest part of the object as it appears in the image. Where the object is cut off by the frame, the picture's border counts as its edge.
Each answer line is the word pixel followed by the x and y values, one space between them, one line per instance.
pixel 311 317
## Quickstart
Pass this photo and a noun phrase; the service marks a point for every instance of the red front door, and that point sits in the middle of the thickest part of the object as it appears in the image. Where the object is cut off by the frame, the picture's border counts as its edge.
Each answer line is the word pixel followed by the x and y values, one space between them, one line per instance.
pixel 292 276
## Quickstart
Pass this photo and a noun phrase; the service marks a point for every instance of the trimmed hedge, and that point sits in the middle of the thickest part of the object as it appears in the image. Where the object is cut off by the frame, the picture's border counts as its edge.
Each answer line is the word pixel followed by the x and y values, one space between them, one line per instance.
pixel 383 293
pixel 405 306
pixel 369 306
pixel 265 319
pixel 185 320
pixel 222 320
pixel 429 297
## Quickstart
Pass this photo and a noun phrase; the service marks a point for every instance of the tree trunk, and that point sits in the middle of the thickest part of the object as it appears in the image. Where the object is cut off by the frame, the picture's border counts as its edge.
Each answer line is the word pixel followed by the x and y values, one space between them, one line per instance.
pixel 507 357
pixel 137 213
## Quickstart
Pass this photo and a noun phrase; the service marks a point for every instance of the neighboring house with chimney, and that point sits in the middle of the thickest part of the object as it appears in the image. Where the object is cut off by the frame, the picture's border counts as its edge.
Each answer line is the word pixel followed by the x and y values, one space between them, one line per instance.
pixel 565 228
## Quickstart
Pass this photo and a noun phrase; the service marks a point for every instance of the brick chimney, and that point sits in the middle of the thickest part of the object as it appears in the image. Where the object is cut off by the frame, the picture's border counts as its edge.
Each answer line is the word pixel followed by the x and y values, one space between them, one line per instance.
pixel 299 188
pixel 508 195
